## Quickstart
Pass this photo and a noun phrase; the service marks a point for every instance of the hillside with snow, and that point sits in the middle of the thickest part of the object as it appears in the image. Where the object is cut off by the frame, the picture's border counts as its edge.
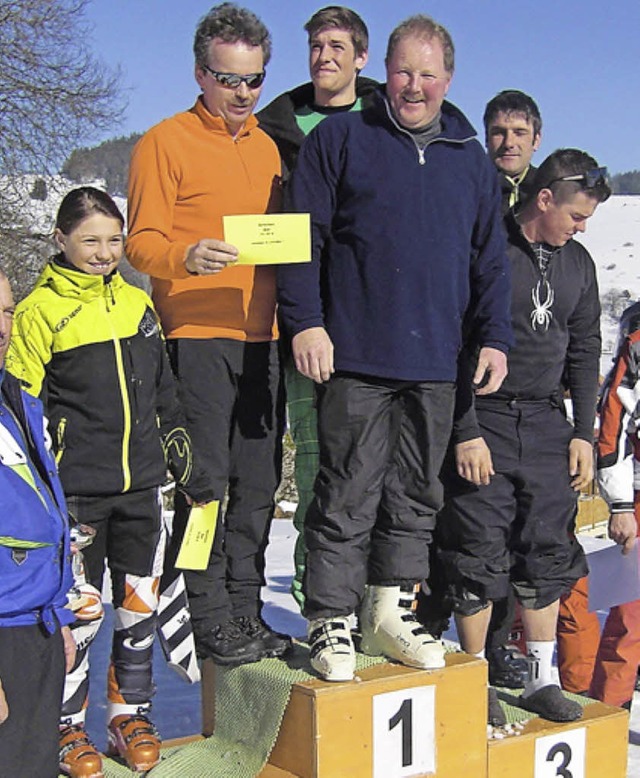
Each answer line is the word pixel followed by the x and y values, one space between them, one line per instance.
pixel 613 239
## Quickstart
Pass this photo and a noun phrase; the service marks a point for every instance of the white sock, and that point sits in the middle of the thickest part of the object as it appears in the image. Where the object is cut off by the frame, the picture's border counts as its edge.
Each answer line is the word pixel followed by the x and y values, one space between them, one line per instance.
pixel 539 659
pixel 480 654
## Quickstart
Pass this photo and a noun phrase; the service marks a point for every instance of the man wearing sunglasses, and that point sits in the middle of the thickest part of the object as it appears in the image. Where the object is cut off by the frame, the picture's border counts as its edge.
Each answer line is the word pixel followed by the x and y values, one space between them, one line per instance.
pixel 219 319
pixel 338 50
pixel 509 517
pixel 513 132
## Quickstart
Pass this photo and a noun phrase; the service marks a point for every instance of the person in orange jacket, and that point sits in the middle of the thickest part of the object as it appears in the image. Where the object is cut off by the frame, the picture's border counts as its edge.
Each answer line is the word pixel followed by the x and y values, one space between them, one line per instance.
pixel 618 655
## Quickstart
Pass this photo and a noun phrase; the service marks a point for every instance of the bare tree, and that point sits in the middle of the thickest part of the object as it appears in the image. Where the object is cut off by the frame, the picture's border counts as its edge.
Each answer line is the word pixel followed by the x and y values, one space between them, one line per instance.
pixel 54 96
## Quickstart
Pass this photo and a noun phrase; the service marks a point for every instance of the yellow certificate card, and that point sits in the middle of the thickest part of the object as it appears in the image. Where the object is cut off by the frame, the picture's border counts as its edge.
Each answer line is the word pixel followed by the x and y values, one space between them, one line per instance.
pixel 270 238
pixel 198 537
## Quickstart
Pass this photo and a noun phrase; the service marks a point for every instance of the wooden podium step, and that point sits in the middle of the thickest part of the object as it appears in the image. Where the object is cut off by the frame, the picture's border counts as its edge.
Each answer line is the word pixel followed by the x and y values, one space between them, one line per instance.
pixel 594 747
pixel 392 721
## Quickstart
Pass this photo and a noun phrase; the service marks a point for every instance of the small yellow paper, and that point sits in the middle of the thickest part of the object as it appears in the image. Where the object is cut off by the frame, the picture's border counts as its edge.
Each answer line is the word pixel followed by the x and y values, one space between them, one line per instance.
pixel 270 238
pixel 195 549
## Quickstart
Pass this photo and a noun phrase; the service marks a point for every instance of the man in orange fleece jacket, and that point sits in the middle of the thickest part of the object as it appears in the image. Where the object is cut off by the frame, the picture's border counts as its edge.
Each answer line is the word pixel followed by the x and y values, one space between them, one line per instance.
pixel 187 173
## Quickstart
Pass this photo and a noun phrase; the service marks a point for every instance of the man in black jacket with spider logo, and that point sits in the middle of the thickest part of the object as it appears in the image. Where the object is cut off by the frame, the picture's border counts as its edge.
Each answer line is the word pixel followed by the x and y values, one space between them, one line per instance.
pixel 520 463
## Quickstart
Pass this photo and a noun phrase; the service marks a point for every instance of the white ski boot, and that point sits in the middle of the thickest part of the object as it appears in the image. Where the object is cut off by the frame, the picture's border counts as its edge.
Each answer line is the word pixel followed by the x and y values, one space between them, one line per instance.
pixel 389 627
pixel 331 649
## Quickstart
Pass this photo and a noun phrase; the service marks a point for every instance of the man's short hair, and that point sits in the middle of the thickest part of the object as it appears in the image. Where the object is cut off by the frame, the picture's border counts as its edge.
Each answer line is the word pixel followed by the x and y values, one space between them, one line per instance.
pixel 230 23
pixel 513 101
pixel 340 18
pixel 570 162
pixel 424 28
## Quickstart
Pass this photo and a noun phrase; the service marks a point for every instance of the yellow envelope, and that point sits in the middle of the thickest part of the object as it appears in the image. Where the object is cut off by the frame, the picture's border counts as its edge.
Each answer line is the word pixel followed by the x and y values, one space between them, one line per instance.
pixel 198 537
pixel 270 238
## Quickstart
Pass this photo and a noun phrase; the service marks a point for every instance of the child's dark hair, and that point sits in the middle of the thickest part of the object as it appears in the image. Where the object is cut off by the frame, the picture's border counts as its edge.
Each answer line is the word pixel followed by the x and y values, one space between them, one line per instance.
pixel 78 204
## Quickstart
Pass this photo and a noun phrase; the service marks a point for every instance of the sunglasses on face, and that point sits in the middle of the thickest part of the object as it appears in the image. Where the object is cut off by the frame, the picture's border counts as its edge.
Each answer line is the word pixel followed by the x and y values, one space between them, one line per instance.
pixel 233 80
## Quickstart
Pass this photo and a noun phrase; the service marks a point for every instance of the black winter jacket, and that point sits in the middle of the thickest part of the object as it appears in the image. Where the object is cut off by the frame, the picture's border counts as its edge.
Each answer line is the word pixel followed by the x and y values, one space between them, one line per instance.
pixel 556 323
pixel 92 348
pixel 279 122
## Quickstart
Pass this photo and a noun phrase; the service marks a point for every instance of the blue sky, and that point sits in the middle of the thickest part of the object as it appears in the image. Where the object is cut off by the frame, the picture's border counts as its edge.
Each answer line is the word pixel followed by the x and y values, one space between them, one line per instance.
pixel 579 60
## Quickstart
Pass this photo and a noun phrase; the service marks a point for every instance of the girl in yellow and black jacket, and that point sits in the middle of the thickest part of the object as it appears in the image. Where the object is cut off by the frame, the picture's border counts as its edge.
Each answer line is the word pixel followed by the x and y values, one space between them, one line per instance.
pixel 90 346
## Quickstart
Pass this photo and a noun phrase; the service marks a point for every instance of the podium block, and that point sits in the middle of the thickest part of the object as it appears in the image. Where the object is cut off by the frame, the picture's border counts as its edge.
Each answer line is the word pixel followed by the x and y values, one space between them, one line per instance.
pixel 593 747
pixel 275 772
pixel 392 721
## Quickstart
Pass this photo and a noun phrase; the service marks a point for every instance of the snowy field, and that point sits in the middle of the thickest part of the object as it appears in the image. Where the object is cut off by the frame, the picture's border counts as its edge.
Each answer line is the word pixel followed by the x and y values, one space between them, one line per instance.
pixel 613 239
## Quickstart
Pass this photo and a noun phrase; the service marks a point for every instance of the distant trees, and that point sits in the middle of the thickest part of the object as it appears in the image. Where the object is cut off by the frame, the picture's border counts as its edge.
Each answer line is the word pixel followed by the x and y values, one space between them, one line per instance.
pixel 54 96
pixel 108 161
pixel 626 183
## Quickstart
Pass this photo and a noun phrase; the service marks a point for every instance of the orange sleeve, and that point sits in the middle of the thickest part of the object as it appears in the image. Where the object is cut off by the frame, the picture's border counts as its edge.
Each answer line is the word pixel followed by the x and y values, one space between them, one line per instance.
pixel 153 189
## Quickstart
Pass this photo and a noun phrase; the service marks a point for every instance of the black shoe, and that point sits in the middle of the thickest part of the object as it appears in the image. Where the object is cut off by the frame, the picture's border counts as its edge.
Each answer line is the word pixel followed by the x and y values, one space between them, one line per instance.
pixel 495 715
pixel 507 667
pixel 273 643
pixel 550 703
pixel 227 645
pixel 433 612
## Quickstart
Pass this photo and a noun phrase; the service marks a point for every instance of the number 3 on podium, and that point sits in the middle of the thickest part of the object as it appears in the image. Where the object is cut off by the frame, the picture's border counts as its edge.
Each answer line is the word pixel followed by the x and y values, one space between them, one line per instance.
pixel 404 733
pixel 561 755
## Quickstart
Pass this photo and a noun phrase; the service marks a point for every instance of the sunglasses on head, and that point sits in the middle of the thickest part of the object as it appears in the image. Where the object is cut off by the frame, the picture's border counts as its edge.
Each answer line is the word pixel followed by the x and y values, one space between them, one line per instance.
pixel 233 80
pixel 589 179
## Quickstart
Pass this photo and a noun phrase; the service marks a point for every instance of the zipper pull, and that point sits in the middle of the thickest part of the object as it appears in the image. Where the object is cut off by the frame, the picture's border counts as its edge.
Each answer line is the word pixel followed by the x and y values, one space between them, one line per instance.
pixel 421 158
pixel 109 292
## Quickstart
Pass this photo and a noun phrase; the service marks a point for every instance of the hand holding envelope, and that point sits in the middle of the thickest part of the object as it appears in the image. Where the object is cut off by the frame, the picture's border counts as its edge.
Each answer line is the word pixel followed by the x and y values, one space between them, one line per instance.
pixel 209 256
pixel 269 238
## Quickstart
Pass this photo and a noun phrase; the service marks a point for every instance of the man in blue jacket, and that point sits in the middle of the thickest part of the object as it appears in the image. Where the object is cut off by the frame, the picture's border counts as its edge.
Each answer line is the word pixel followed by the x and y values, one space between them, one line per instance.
pixel 35 576
pixel 407 241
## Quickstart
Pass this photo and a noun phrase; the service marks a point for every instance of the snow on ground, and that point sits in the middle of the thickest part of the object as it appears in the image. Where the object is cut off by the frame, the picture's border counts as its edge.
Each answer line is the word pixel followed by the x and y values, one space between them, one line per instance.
pixel 613 239
pixel 40 211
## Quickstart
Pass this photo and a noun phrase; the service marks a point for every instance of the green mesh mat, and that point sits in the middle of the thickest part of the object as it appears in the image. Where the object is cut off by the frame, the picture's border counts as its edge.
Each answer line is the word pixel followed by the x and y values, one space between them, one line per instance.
pixel 509 702
pixel 250 704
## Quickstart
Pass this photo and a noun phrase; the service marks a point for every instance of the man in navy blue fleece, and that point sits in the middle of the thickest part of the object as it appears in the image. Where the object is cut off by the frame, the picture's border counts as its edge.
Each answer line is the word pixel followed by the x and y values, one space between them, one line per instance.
pixel 407 242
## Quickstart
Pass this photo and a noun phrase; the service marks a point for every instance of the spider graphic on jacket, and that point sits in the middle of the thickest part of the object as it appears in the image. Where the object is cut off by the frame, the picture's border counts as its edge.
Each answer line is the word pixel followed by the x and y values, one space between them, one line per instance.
pixel 542 314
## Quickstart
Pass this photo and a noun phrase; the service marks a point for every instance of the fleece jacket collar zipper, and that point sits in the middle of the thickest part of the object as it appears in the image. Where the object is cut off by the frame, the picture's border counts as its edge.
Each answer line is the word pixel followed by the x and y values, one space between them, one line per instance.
pixel 421 151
